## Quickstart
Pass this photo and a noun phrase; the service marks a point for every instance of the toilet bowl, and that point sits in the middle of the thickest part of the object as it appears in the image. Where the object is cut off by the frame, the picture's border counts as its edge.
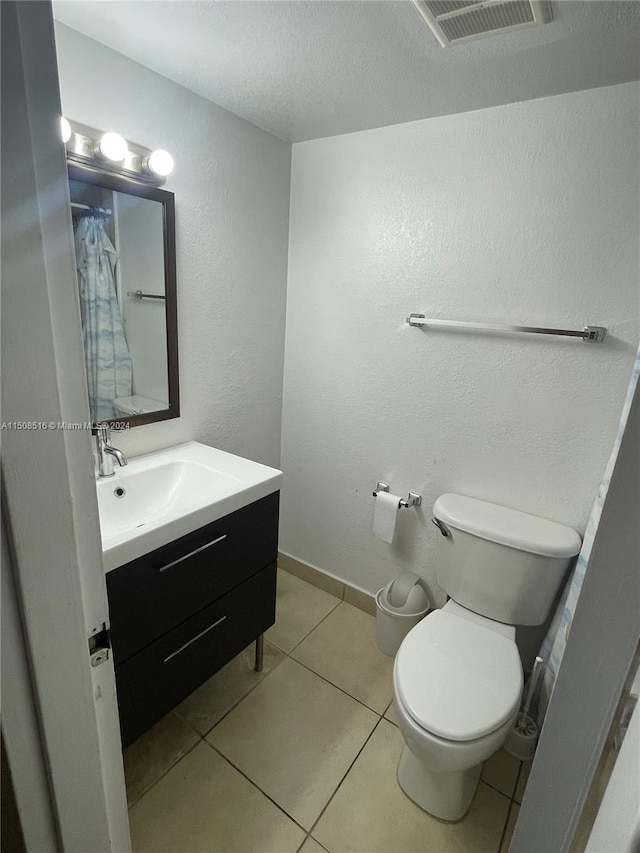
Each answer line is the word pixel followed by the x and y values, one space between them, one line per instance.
pixel 457 683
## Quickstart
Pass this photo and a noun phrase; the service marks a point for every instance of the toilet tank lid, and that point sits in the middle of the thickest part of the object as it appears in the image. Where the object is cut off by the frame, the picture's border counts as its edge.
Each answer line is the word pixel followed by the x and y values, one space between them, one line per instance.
pixel 506 526
pixel 138 405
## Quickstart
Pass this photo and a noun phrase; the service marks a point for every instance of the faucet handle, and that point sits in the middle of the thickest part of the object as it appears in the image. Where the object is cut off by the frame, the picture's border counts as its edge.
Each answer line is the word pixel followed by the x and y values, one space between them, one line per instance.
pixel 102 433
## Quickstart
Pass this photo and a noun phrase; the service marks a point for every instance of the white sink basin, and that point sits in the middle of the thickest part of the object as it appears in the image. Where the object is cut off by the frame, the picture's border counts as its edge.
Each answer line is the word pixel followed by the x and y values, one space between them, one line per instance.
pixel 164 495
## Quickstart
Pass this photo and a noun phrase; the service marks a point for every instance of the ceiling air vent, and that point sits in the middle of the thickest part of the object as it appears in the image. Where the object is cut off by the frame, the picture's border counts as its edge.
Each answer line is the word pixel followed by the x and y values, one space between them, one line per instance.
pixel 457 21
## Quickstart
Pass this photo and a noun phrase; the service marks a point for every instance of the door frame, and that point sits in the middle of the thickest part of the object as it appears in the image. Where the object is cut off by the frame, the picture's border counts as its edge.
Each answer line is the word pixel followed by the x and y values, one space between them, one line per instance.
pixel 49 502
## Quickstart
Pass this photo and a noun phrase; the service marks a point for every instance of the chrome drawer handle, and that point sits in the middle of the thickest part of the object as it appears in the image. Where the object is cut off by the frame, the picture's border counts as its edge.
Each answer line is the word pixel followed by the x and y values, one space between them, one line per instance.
pixel 193 639
pixel 192 553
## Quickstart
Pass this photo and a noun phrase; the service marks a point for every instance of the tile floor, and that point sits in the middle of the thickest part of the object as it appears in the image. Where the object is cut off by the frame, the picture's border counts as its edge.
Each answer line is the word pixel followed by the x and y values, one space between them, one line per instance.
pixel 302 756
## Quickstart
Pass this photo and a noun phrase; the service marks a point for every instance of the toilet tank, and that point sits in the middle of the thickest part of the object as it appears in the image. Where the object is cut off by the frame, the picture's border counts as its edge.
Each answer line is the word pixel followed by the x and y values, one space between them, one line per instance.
pixel 126 407
pixel 504 564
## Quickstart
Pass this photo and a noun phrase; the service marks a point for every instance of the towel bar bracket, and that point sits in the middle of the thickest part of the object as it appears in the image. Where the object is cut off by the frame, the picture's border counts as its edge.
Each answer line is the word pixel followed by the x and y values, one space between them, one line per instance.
pixel 594 333
pixel 412 500
pixel 380 487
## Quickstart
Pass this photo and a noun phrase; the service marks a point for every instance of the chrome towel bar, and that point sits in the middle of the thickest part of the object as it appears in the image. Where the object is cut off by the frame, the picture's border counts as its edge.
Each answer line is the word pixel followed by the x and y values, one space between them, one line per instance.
pixel 138 294
pixel 595 334
pixel 105 211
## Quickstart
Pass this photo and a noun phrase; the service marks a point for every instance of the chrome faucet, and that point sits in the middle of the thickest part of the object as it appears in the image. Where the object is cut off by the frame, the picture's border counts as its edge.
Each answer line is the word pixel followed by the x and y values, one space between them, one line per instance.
pixel 106 452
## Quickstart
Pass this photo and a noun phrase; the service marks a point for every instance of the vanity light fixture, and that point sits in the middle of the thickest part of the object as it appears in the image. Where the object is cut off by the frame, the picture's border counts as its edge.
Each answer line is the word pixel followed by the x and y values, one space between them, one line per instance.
pixel 160 163
pixel 113 146
pixel 111 152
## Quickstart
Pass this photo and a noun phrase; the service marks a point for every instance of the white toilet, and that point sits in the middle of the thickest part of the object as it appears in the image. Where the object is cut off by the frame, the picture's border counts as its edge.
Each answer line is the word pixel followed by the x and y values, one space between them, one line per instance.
pixel 457 677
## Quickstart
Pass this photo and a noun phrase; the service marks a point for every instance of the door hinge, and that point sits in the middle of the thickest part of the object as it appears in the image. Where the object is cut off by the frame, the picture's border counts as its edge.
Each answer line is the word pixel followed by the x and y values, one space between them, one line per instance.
pixel 624 721
pixel 99 646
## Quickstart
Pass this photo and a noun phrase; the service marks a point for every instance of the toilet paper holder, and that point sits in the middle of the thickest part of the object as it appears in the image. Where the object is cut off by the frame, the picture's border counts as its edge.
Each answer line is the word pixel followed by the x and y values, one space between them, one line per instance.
pixel 412 500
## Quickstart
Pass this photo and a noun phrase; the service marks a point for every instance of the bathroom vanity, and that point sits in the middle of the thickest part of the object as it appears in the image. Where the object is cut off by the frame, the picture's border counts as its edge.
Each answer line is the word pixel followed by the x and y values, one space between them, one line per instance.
pixel 182 610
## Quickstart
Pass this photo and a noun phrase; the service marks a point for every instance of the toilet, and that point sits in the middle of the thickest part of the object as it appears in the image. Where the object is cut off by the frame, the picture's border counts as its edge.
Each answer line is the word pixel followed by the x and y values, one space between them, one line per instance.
pixel 457 677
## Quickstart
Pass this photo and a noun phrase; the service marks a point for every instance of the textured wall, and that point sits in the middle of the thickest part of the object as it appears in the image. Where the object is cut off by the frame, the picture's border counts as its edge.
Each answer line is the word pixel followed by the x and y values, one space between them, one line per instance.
pixel 232 205
pixel 525 214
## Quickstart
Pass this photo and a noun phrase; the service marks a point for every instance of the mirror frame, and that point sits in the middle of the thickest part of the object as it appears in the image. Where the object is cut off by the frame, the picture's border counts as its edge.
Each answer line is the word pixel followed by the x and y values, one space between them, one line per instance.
pixel 118 183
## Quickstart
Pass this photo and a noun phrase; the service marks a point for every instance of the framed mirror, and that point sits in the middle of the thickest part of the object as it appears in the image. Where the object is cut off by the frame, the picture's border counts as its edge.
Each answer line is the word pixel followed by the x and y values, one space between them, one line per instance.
pixel 124 234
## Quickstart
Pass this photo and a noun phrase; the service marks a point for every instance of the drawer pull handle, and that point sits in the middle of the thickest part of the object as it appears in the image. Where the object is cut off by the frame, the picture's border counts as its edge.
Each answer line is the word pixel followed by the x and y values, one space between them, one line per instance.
pixel 193 639
pixel 192 553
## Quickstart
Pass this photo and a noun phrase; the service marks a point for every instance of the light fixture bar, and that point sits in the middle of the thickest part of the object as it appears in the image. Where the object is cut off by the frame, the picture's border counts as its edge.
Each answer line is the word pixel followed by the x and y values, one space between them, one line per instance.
pixel 110 152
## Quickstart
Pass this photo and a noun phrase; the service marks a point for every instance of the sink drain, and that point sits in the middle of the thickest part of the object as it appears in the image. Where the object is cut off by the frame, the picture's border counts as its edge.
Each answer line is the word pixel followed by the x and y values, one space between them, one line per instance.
pixel 119 492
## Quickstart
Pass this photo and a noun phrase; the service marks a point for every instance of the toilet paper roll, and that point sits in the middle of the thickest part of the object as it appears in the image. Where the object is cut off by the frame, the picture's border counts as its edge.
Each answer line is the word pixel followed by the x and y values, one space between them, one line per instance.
pixel 385 514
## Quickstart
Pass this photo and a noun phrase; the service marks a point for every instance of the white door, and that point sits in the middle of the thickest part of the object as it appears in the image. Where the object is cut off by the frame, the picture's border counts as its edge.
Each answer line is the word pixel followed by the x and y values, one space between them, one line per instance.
pixel 49 501
pixel 617 824
pixel 605 633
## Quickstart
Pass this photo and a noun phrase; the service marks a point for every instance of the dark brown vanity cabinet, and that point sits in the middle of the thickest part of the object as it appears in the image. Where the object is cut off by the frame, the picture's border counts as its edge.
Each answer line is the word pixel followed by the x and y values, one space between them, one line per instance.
pixel 180 613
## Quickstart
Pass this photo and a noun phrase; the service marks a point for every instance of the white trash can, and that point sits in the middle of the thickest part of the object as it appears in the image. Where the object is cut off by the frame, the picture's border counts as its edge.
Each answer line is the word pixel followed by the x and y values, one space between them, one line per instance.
pixel 400 605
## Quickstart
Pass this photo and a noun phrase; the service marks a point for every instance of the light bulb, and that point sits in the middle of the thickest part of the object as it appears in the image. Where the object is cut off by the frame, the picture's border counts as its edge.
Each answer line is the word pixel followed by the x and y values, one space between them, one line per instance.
pixel 65 130
pixel 161 163
pixel 113 146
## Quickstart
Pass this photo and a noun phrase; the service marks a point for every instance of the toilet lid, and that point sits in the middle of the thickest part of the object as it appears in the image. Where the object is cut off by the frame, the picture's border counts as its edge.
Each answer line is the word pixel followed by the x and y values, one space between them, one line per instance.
pixel 458 680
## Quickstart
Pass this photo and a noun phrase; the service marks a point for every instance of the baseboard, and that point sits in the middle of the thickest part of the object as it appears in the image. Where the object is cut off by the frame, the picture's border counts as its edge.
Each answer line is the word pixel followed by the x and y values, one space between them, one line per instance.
pixel 351 594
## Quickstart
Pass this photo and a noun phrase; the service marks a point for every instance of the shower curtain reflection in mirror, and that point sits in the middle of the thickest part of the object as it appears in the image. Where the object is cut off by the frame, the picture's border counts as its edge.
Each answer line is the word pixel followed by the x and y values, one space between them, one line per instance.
pixel 108 361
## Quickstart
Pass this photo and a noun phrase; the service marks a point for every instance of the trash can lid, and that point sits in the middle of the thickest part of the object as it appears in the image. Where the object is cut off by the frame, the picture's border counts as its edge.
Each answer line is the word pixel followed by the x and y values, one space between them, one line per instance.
pixel 405 594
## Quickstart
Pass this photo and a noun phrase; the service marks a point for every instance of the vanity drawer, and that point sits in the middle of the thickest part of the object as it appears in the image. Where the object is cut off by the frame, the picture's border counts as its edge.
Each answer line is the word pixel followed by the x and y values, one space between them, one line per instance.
pixel 156 592
pixel 156 679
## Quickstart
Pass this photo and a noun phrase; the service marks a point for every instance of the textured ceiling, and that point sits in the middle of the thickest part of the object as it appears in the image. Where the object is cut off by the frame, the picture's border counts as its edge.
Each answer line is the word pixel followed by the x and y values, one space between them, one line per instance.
pixel 309 69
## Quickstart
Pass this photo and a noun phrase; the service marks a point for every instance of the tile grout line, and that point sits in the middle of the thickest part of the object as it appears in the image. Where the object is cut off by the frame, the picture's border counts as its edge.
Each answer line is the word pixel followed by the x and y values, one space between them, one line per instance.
pixel 162 775
pixel 506 824
pixel 481 781
pixel 309 836
pixel 340 783
pixel 241 699
pixel 314 585
pixel 202 737
pixel 178 714
pixel 510 797
pixel 520 774
pixel 317 625
pixel 346 693
pixel 384 714
pixel 343 777
pixel 306 636
pixel 381 716
pixel 258 788
pixel 324 618
pixel 308 833
pixel 346 586
pixel 497 790
pixel 281 808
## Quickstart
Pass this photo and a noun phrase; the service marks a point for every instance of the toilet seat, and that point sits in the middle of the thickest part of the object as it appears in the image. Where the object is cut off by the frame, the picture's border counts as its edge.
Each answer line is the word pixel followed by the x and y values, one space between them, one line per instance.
pixel 458 680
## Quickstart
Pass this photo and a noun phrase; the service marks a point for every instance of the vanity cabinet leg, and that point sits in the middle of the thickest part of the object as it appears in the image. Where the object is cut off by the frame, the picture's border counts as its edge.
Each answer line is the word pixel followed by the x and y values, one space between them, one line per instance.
pixel 259 653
